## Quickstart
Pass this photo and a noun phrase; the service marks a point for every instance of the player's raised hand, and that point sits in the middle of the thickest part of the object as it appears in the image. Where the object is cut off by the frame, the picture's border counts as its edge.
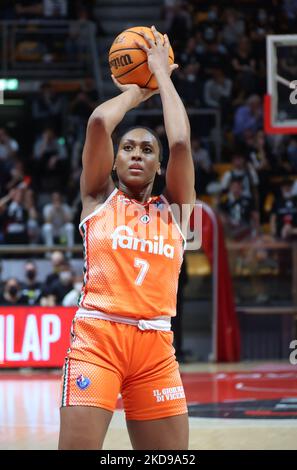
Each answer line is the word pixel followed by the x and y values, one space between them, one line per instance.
pixel 157 52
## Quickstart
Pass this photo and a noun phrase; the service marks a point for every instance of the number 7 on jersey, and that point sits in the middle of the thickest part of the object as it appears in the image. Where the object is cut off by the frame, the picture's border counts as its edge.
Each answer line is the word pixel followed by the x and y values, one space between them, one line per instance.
pixel 144 267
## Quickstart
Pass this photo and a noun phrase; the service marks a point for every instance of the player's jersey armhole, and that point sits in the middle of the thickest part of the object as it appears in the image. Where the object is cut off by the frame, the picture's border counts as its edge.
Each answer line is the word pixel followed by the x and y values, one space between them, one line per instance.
pixel 175 222
pixel 96 211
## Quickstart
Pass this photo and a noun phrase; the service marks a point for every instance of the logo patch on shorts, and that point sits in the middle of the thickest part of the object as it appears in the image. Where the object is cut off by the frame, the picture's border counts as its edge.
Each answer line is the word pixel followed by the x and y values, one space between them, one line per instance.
pixel 168 394
pixel 82 382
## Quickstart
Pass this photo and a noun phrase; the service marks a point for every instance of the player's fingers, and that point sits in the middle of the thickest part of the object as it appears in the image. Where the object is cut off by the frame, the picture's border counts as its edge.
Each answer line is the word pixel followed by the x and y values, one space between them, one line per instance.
pixel 141 46
pixel 116 82
pixel 156 35
pixel 166 41
pixel 173 67
pixel 148 40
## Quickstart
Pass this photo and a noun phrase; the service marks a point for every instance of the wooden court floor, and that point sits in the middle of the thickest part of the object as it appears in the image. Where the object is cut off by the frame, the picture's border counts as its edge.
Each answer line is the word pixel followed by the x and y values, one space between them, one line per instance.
pixel 232 406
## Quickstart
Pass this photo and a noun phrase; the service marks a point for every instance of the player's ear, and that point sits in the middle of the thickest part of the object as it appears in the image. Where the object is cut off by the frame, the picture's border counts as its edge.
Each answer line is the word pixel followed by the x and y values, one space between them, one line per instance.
pixel 159 170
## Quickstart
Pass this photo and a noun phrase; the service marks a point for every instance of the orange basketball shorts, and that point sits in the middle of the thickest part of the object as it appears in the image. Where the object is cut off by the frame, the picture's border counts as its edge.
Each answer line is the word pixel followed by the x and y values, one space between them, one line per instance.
pixel 107 358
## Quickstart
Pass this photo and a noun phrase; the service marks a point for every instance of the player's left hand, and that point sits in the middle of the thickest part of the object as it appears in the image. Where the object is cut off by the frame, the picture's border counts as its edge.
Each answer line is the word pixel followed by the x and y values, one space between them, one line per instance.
pixel 157 53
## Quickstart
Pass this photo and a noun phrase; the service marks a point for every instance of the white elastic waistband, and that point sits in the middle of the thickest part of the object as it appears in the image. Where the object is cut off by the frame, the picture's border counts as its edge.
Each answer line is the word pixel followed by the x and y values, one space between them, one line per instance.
pixel 162 323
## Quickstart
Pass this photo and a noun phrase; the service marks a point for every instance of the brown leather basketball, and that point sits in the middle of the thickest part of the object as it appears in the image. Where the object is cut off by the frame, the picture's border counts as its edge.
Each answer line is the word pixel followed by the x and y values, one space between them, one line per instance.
pixel 128 63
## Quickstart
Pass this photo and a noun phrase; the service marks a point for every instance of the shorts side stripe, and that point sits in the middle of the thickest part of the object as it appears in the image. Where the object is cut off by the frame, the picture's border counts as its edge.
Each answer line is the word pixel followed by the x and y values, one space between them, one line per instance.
pixel 65 393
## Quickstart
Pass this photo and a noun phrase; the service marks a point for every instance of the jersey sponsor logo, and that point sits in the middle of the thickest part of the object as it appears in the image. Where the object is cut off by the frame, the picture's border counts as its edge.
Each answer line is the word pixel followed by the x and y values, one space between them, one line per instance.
pixel 145 219
pixel 82 382
pixel 123 237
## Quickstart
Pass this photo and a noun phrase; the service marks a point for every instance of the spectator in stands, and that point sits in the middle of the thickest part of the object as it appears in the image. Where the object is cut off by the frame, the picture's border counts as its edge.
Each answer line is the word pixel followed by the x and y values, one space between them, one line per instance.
pixel 244 66
pixel 58 261
pixel 204 172
pixel 217 92
pixel 63 285
pixel 260 28
pixel 188 85
pixel 47 109
pixel 32 289
pixel 214 54
pixel 189 55
pixel 248 116
pixel 242 169
pixel 8 149
pixel 233 29
pixel 12 294
pixel 16 230
pixel 16 174
pixel 50 162
pixel 290 10
pixel 81 108
pixel 261 159
pixel 58 224
pixel 283 219
pixel 238 212
pixel 33 216
pixel 292 154
pixel 48 143
pixel 72 297
pixel 78 41
pixel 179 23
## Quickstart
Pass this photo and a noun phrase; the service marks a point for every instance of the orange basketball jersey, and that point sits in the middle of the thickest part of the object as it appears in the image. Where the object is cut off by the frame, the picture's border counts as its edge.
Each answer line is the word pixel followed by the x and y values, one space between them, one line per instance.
pixel 132 257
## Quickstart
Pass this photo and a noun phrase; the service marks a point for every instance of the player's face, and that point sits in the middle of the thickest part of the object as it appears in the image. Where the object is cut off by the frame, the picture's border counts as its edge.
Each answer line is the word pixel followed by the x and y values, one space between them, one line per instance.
pixel 138 157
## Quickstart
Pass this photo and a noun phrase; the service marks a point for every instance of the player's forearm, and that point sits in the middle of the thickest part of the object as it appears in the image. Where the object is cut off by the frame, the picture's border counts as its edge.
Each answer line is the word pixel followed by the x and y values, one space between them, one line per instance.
pixel 175 117
pixel 113 111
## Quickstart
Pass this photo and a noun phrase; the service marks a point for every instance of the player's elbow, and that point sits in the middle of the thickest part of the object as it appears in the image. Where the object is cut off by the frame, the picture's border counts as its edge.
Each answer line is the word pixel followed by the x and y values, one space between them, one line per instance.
pixel 97 125
pixel 181 144
pixel 96 120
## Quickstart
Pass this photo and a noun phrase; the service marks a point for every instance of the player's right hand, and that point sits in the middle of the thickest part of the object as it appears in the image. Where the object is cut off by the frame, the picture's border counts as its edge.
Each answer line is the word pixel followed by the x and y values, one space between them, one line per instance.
pixel 141 94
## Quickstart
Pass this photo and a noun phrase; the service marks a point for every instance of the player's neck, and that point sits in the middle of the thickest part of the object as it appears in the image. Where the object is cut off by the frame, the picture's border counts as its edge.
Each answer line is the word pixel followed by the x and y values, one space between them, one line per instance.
pixel 141 194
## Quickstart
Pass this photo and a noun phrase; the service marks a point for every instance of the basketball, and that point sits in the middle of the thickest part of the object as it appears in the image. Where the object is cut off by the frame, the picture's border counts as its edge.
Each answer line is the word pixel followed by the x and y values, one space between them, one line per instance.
pixel 128 62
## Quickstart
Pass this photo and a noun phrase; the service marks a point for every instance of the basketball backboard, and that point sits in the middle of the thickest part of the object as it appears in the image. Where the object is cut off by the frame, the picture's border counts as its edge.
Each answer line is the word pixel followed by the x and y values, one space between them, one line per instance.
pixel 280 105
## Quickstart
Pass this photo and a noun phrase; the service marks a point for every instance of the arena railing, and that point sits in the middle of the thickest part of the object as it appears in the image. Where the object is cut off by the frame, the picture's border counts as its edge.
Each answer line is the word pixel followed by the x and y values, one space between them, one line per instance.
pixel 33 49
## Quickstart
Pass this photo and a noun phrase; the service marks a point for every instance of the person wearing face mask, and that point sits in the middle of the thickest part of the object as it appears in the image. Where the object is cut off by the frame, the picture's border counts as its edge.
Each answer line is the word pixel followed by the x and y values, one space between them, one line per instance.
pixel 12 294
pixel 71 299
pixel 32 288
pixel 63 285
pixel 283 219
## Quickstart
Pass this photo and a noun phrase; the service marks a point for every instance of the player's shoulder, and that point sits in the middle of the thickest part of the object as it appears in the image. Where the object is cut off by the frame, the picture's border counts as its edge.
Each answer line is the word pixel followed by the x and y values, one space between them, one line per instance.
pixel 91 202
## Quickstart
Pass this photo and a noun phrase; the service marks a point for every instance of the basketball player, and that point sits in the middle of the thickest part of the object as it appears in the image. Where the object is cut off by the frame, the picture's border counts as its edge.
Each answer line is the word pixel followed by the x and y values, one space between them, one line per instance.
pixel 121 341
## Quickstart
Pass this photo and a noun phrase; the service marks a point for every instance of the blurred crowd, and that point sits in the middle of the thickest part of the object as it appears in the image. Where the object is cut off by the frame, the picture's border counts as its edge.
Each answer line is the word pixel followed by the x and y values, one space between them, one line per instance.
pixel 221 50
pixel 222 55
pixel 62 286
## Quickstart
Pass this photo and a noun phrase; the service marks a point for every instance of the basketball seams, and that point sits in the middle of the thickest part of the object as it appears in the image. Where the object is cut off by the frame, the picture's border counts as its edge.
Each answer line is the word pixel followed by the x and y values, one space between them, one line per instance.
pixel 146 84
pixel 126 49
pixel 134 68
pixel 135 32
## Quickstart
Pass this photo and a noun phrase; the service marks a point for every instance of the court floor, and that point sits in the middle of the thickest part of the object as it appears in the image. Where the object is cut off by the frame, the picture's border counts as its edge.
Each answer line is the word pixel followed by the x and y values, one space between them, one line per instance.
pixel 231 406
